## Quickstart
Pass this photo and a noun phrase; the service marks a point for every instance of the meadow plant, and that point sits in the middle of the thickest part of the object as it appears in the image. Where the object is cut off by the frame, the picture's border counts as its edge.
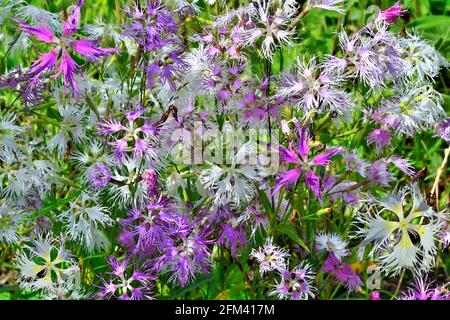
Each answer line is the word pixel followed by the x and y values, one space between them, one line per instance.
pixel 222 149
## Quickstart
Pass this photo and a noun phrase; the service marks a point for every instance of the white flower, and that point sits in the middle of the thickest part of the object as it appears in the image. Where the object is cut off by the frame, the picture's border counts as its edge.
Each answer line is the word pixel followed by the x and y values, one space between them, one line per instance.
pixel 37 15
pixel 333 5
pixel 173 182
pixel 270 257
pixel 403 233
pixel 8 136
pixel 314 89
pixel 43 263
pixel 232 184
pixel 424 60
pixel 101 29
pixel 16 177
pixel 83 221
pixel 273 28
pixel 70 128
pixel 254 216
pixel 67 289
pixel 125 176
pixel 413 110
pixel 334 243
pixel 9 222
pixel 93 154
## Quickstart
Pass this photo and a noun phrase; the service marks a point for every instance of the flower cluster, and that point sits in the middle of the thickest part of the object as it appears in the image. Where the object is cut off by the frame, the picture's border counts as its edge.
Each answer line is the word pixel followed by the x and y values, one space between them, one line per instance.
pixel 215 149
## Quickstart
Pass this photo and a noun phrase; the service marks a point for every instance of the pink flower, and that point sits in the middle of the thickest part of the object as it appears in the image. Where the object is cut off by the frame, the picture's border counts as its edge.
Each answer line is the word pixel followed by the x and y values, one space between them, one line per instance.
pixel 389 15
pixel 299 155
pixel 67 67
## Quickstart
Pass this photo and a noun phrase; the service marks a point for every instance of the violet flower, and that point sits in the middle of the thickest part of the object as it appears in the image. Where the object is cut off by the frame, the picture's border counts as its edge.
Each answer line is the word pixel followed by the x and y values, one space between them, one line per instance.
pixel 59 57
pixel 381 138
pixel 154 28
pixel 299 155
pixel 342 272
pixel 186 252
pixel 20 82
pixel 234 237
pixel 124 284
pixel 144 231
pixel 136 136
pixel 99 176
pixel 443 128
pixel 422 290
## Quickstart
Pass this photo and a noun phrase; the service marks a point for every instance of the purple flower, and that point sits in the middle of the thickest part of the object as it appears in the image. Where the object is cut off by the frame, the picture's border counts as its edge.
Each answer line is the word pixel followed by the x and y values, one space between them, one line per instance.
pixel 342 272
pixel 336 190
pixel 144 231
pixel 381 138
pixel 378 172
pixel 257 107
pixel 154 28
pixel 20 82
pixel 150 179
pixel 445 237
pixel 137 135
pixel 355 164
pixel 299 155
pixel 99 176
pixel 443 128
pixel 295 284
pixel 421 290
pixel 402 164
pixel 186 251
pixel 67 67
pixel 124 284
pixel 391 14
pixel 223 79
pixel 233 237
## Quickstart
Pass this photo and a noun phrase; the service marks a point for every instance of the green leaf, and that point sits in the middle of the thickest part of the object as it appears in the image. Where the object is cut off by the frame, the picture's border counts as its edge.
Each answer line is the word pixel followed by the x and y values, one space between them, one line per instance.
pixel 431 22
pixel 51 207
pixel 291 231
pixel 265 201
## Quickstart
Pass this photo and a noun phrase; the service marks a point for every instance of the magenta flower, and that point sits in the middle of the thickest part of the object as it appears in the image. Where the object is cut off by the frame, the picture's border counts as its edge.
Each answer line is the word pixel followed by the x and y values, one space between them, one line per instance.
pixel 391 14
pixel 59 58
pixel 375 295
pixel 299 155
pixel 342 272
